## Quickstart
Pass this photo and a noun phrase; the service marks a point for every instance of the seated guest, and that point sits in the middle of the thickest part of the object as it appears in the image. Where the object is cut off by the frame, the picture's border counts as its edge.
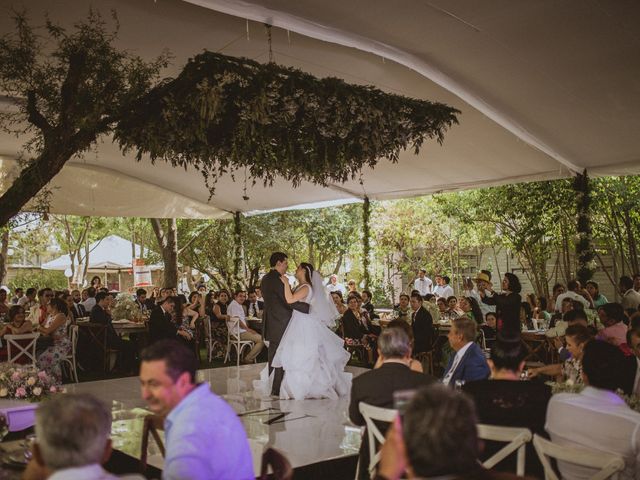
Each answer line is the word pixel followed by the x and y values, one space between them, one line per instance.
pixel 568 315
pixel 357 330
pixel 185 319
pixel 630 298
pixel 576 293
pixel 365 314
pixel 38 315
pixel 161 324
pixel 570 371
pixel 437 438
pixel 77 309
pixel 469 363
pixel 489 329
pixel 469 307
pixel 204 438
pixel 126 350
pixel 90 302
pixel 218 327
pixel 422 325
pixel 151 301
pixel 220 308
pixel 141 299
pixel 506 401
pixel 68 299
pixel 18 293
pixel 432 307
pixel 367 305
pixel 594 290
pixel 526 316
pixel 443 308
pixel 612 317
pixel 55 328
pixel 596 418
pixel 414 365
pixel 17 322
pixel 338 301
pixel 255 307
pixel 632 385
pixel 72 440
pixel 351 286
pixel 454 309
pixel 240 328
pixel 376 387
pixel 402 311
pixel 29 300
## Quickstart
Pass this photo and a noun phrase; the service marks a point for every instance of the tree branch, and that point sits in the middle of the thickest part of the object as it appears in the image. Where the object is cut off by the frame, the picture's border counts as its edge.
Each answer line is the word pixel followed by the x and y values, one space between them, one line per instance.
pixel 34 115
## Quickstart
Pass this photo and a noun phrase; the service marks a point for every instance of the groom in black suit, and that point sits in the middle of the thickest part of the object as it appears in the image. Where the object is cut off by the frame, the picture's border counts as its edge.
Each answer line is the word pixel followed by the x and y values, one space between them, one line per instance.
pixel 277 312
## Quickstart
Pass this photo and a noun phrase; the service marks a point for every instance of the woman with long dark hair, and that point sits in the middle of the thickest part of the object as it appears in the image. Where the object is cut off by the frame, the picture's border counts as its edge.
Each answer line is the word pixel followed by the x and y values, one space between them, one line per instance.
pixel 507 303
pixel 55 327
pixel 471 309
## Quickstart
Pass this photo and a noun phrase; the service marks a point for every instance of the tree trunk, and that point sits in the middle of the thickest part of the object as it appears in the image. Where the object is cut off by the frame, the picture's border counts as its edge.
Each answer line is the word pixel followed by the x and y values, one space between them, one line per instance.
pixel 168 244
pixel 366 241
pixel 4 253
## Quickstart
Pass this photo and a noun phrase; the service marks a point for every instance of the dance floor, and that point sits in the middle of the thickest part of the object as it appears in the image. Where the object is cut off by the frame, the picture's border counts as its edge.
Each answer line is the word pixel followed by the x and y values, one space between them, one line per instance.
pixel 306 431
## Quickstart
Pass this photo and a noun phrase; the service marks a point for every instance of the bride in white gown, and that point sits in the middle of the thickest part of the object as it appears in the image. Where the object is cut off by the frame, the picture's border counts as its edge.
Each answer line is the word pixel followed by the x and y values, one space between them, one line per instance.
pixel 312 356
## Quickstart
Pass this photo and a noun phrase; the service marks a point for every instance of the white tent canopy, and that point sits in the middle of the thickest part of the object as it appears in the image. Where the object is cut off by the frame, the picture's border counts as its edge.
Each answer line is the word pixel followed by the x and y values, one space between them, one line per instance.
pixel 546 89
pixel 112 253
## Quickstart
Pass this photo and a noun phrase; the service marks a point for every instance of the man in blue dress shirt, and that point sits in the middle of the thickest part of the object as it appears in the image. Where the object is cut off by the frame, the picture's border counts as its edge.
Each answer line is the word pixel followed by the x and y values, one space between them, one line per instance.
pixel 204 438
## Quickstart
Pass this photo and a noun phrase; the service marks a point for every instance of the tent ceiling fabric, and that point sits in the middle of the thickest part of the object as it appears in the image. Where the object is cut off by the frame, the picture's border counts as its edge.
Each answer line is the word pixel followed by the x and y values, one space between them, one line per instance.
pixel 545 88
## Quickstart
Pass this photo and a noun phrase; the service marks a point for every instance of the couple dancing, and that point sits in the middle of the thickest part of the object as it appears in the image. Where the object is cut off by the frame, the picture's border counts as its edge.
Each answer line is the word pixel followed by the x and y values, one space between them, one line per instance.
pixel 306 359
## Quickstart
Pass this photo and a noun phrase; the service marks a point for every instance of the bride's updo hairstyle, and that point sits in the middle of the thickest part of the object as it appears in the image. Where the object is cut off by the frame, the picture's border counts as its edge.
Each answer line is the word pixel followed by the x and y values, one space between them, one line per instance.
pixel 308 271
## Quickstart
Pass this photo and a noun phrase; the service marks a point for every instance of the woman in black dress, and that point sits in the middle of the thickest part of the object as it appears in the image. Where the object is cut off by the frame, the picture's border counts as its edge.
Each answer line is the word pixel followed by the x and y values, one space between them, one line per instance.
pixel 508 304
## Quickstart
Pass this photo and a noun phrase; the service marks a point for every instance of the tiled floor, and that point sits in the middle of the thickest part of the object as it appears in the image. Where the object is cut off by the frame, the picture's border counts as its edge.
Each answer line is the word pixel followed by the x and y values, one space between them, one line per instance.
pixel 310 431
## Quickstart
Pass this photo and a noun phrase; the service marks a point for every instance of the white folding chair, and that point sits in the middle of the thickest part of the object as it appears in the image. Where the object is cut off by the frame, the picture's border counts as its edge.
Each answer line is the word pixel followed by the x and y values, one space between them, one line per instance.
pixel 17 342
pixel 211 343
pixel 371 415
pixel 233 340
pixel 609 464
pixel 70 359
pixel 516 439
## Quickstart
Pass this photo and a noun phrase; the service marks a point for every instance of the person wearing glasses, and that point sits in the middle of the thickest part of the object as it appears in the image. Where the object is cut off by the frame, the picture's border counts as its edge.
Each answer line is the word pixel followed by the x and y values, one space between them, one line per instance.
pixel 38 315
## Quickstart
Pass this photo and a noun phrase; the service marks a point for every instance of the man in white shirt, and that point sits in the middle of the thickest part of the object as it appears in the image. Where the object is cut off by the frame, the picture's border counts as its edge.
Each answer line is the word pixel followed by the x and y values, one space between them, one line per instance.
pixel 597 418
pixel 423 283
pixel 72 440
pixel 334 285
pixel 575 293
pixel 443 289
pixel 90 302
pixel 630 298
pixel 29 299
pixel 237 326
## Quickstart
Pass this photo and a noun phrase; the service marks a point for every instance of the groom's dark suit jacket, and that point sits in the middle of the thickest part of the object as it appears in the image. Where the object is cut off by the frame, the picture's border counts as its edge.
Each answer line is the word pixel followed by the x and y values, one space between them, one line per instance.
pixel 277 312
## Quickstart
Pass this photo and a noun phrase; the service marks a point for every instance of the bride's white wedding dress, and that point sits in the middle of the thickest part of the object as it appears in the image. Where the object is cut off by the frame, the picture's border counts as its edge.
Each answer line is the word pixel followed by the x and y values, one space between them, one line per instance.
pixel 312 356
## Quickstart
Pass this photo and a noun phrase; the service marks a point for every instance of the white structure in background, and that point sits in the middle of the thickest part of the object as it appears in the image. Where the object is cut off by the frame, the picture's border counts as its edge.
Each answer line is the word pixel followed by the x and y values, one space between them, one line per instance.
pixel 112 254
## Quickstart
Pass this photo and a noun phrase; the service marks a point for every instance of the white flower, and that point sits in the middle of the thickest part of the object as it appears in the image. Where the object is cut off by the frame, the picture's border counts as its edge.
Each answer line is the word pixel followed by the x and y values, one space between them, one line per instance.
pixel 3 392
pixel 37 391
pixel 31 381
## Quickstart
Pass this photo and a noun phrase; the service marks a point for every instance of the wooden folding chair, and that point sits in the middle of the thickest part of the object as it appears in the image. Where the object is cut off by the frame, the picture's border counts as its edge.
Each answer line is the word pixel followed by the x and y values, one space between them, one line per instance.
pixel 152 424
pixel 25 344
pixel 280 466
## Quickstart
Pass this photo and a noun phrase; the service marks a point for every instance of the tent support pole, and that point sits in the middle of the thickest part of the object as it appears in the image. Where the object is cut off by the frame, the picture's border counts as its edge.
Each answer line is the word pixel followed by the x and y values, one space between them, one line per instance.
pixel 585 253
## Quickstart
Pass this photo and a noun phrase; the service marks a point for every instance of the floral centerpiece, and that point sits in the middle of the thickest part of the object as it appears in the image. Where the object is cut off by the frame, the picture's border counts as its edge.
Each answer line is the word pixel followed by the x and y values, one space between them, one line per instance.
pixel 26 382
pixel 125 308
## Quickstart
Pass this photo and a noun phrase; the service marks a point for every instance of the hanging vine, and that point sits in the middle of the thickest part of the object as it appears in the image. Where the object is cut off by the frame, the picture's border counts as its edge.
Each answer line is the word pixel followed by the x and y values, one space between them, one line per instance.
pixel 366 241
pixel 585 252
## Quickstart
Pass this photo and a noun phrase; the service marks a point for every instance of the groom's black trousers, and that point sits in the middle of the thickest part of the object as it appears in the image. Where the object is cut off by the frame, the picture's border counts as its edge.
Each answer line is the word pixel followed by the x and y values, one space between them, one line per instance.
pixel 278 375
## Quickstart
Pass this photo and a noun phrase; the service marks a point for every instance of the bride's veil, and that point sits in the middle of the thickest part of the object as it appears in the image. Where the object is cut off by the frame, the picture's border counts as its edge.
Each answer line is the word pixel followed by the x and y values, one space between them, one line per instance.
pixel 322 306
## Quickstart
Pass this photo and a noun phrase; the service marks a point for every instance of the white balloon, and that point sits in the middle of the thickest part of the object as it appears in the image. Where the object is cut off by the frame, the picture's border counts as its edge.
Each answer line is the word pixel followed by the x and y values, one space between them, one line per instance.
pixel 68 273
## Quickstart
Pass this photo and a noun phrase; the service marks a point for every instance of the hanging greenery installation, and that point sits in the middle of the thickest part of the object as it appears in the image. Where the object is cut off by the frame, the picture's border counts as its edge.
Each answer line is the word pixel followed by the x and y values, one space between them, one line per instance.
pixel 222 114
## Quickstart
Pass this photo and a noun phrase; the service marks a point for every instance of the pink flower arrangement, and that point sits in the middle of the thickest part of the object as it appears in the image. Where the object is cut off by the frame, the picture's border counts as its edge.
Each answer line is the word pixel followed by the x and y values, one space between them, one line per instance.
pixel 26 382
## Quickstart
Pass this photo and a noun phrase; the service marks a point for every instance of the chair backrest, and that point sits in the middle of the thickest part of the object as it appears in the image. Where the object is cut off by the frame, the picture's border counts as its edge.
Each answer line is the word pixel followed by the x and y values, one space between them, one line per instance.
pixel 371 415
pixel 516 439
pixel 74 340
pixel 232 328
pixel 608 464
pixel 279 464
pixel 152 423
pixel 207 326
pixel 25 344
